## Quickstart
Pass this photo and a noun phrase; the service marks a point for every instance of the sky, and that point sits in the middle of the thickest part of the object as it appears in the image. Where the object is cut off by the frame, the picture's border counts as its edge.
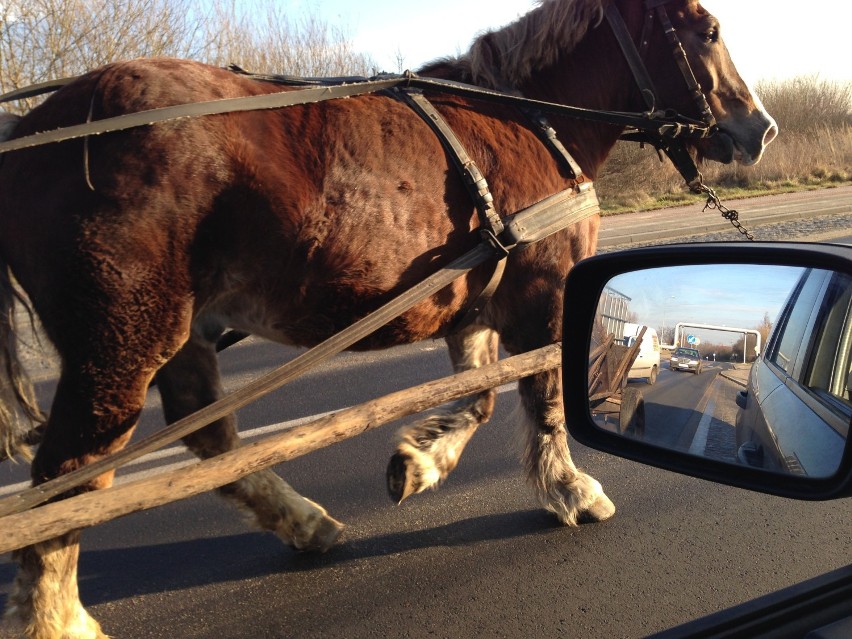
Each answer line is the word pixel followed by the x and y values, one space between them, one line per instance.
pixel 767 39
pixel 730 295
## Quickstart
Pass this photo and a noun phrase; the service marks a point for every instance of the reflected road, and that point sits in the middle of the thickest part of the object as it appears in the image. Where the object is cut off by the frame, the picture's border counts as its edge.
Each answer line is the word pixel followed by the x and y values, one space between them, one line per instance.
pixel 683 410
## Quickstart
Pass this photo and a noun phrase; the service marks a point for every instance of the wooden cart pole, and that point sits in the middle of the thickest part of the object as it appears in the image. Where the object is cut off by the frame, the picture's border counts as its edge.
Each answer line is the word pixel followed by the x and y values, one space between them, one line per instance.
pixel 89 509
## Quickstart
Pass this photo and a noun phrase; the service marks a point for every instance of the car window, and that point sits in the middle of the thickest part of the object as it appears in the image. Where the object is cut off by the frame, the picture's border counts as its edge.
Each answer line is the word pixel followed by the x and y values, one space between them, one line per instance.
pixel 830 361
pixel 795 321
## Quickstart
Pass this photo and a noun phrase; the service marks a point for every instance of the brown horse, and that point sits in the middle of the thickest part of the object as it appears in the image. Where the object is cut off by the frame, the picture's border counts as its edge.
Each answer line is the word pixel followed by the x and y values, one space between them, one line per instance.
pixel 137 249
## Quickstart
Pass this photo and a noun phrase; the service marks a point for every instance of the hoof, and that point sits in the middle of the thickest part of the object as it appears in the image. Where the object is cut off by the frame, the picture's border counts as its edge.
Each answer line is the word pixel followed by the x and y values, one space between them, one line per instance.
pixel 600 510
pixel 324 536
pixel 411 471
pixel 26 622
pixel 400 482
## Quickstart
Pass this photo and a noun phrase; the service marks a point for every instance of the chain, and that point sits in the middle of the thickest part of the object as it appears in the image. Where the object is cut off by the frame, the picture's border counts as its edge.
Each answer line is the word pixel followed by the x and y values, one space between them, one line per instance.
pixel 713 202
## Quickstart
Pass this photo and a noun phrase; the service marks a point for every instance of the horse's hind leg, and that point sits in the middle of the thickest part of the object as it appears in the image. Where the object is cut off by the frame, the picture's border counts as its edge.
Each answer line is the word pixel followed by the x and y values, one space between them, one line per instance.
pixel 191 381
pixel 428 451
pixel 93 414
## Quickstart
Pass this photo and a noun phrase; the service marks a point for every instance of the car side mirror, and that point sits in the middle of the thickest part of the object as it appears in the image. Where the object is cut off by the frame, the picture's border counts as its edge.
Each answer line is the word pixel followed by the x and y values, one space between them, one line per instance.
pixel 765 331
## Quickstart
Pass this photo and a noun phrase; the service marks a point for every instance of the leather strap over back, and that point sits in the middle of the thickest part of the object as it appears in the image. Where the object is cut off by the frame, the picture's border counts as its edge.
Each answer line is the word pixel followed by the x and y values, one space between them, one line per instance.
pixel 547 134
pixel 525 227
pixel 473 178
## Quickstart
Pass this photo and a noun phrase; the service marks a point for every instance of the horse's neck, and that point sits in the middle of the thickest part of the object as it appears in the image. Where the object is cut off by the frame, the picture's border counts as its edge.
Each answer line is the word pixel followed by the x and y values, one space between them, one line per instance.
pixel 593 76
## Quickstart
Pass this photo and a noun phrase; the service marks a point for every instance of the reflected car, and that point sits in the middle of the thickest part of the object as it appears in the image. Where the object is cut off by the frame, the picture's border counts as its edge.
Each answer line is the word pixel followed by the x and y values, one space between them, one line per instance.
pixel 796 409
pixel 686 359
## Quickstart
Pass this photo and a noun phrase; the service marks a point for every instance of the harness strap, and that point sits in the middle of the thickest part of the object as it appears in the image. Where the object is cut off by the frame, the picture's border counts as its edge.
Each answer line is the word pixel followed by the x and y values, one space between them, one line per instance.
pixel 481 301
pixel 645 38
pixel 474 180
pixel 195 109
pixel 631 55
pixel 547 134
pixel 530 225
pixel 490 223
pixel 40 88
pixel 662 124
pixel 552 214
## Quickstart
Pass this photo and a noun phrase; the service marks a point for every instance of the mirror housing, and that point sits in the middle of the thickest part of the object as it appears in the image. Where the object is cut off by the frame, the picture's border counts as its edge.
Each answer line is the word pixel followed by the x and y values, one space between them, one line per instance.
pixel 584 287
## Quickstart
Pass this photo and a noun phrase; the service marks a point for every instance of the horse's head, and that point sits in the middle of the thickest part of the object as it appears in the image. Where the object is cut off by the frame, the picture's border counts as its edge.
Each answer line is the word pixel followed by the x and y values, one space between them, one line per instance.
pixel 744 126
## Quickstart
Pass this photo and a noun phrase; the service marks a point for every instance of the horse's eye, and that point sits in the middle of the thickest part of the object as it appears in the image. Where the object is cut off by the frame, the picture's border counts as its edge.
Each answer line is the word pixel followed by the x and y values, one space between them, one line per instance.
pixel 711 36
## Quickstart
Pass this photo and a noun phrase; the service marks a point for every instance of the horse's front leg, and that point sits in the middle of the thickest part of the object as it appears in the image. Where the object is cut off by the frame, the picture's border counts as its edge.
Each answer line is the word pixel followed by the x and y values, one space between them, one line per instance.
pixel 534 320
pixel 45 602
pixel 572 495
pixel 428 451
pixel 190 381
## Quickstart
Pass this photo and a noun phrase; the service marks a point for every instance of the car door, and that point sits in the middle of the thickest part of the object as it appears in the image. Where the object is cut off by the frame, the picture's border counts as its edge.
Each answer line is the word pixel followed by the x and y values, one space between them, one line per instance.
pixel 803 382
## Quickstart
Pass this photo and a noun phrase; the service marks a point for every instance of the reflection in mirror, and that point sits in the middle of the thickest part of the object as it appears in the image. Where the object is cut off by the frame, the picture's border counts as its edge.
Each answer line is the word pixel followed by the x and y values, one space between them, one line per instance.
pixel 743 363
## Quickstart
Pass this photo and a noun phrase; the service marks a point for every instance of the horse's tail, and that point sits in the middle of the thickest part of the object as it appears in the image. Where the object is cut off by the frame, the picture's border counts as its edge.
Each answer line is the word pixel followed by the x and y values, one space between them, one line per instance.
pixel 19 411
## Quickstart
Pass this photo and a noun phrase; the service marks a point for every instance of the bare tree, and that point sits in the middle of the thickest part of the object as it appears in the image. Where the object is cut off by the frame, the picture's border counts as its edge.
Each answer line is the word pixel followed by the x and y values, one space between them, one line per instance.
pixel 49 39
pixel 764 328
pixel 666 334
pixel 261 36
pixel 399 59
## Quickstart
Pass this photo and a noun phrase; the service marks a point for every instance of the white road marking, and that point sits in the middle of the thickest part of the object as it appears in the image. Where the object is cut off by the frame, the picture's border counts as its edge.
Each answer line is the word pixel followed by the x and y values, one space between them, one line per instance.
pixel 699 440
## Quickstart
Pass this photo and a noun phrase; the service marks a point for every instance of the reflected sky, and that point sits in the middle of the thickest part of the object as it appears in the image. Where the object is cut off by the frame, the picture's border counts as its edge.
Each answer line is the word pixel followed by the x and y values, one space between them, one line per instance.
pixel 730 295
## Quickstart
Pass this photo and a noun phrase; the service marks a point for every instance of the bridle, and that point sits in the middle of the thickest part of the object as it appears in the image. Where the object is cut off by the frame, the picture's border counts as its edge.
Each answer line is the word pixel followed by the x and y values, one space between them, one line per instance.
pixel 655 10
pixel 674 147
pixel 636 56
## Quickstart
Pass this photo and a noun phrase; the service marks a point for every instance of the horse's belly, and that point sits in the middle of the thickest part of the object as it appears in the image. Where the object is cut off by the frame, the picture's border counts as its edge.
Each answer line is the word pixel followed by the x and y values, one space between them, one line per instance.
pixel 319 314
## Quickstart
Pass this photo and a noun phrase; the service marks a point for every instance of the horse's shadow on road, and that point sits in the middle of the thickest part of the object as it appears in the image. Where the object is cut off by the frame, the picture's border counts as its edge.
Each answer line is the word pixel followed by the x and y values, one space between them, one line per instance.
pixel 112 575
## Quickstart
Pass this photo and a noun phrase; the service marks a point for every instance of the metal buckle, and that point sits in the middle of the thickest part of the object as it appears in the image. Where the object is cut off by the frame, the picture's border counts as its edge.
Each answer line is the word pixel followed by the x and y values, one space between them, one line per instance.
pixel 489 238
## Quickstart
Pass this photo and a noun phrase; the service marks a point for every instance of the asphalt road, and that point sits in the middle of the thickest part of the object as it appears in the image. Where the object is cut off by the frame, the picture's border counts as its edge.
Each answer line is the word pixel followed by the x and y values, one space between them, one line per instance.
pixel 675 404
pixel 814 216
pixel 476 558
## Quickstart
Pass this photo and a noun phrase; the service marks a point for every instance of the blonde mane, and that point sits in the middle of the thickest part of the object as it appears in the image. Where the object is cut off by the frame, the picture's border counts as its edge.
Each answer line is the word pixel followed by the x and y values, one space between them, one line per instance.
pixel 505 58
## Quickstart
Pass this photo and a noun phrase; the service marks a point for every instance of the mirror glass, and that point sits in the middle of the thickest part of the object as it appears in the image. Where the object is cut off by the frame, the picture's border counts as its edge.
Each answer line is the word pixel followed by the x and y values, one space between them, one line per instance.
pixel 744 363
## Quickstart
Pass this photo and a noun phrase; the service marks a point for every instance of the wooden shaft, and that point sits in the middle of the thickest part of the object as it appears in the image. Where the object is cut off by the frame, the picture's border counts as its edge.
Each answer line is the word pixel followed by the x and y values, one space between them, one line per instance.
pixel 54 519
